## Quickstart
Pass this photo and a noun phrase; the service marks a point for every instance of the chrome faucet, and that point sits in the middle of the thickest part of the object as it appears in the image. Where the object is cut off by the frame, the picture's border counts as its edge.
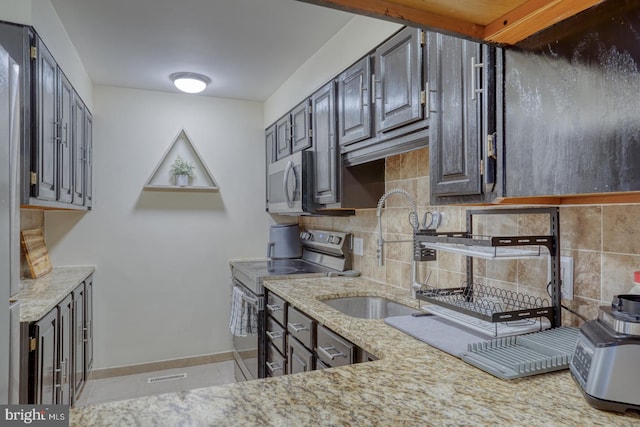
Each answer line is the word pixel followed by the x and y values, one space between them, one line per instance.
pixel 413 220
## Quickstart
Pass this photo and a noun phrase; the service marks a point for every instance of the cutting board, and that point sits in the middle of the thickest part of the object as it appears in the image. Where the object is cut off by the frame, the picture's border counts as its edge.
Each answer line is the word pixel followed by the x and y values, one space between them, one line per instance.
pixel 36 253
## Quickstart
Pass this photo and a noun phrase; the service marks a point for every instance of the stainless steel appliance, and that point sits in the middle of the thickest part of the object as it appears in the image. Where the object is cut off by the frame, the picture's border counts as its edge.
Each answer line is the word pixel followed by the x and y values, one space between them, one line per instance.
pixel 284 241
pixel 324 253
pixel 290 185
pixel 9 227
pixel 606 362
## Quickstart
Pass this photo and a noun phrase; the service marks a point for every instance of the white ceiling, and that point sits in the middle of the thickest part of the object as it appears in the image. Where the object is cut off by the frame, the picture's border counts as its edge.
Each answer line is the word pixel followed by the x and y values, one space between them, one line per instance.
pixel 247 47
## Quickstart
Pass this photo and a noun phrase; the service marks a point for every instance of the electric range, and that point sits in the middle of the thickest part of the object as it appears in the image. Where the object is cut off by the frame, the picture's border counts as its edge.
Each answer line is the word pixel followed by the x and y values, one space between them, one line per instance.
pixel 324 253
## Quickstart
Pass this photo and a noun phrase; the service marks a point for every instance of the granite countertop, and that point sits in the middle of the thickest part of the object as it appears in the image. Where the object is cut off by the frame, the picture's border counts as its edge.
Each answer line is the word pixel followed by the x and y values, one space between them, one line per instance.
pixel 412 384
pixel 38 296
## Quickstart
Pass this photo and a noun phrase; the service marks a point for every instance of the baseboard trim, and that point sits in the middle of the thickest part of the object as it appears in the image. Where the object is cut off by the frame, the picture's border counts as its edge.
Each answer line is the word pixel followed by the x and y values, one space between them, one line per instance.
pixel 142 368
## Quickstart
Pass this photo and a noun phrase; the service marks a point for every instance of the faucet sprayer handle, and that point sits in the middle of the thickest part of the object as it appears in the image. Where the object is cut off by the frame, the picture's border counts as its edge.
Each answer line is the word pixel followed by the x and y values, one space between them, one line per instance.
pixel 423 225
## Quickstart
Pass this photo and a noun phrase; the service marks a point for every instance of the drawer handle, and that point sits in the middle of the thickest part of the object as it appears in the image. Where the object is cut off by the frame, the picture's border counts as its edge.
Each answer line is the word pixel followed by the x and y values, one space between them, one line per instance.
pixel 297 327
pixel 273 308
pixel 272 367
pixel 274 335
pixel 331 356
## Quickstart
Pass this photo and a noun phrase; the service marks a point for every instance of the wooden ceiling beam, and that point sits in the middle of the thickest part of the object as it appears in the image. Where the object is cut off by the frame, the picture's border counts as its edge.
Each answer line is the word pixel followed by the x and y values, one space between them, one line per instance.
pixel 399 12
pixel 532 17
pixel 514 26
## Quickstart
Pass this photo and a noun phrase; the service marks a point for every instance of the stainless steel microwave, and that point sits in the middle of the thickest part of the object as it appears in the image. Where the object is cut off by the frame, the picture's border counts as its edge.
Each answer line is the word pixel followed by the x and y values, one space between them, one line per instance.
pixel 290 185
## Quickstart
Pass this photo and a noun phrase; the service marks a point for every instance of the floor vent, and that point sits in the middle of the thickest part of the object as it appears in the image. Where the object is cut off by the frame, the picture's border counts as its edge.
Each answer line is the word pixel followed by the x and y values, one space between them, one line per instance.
pixel 167 378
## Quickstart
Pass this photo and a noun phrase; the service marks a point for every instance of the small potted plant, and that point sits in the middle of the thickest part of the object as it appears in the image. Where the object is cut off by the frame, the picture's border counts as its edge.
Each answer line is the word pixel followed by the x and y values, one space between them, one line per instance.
pixel 182 170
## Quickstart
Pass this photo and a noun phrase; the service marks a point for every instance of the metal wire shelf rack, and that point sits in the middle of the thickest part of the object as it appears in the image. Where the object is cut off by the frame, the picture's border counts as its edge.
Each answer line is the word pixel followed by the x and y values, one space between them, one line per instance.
pixel 489 303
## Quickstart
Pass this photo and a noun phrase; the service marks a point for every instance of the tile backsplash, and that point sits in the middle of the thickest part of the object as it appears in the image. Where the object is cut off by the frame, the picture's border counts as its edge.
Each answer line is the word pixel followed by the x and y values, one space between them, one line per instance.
pixel 604 241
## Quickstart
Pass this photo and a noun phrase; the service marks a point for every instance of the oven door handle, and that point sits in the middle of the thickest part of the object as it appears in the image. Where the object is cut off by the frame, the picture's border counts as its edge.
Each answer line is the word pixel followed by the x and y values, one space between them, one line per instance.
pixel 250 300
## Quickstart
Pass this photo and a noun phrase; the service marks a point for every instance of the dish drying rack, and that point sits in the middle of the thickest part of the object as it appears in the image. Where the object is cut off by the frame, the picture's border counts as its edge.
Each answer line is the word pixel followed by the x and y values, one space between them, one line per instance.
pixel 484 302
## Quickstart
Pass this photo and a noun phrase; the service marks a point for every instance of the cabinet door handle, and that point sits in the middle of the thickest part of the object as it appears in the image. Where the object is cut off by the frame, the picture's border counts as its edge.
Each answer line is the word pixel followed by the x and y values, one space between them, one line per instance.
pixel 274 335
pixel 364 92
pixel 57 130
pixel 427 102
pixel 374 89
pixel 331 356
pixel 272 367
pixel 64 368
pixel 474 66
pixel 297 327
pixel 273 308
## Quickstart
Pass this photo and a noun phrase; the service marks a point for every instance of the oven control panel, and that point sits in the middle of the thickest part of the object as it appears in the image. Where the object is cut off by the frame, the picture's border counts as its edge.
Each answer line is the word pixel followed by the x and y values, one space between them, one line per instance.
pixel 330 242
pixel 330 239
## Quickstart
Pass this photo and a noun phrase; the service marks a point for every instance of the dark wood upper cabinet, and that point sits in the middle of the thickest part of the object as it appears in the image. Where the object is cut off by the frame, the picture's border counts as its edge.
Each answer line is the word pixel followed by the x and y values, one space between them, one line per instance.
pixel 80 151
pixel 300 127
pixel 398 80
pixel 462 104
pixel 46 124
pixel 354 103
pixel 88 171
pixel 64 139
pixel 382 112
pixel 325 159
pixel 283 138
pixel 52 176
pixel 270 144
pixel 456 99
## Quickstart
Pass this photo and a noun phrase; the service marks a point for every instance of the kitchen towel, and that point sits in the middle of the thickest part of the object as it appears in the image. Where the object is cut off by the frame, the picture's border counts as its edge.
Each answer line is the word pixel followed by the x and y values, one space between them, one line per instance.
pixel 252 319
pixel 237 320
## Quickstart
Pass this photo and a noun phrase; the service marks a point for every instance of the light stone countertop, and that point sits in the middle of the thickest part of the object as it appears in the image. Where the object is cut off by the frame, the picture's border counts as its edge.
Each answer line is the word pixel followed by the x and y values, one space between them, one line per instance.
pixel 412 384
pixel 38 296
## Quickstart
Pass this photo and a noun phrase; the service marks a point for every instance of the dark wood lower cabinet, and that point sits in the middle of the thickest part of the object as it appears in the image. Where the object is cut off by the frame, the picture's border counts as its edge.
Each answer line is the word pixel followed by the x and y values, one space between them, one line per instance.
pixel 61 350
pixel 44 348
pixel 300 359
pixel 303 345
pixel 78 340
pixel 65 351
pixel 276 362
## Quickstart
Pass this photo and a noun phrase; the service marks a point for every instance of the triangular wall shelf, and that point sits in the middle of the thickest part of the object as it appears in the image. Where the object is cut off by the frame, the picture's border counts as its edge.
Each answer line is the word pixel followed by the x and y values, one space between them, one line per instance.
pixel 161 178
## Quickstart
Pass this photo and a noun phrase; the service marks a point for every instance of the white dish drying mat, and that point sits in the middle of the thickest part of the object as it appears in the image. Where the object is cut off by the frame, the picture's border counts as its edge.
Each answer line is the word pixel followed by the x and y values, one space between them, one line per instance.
pixel 437 332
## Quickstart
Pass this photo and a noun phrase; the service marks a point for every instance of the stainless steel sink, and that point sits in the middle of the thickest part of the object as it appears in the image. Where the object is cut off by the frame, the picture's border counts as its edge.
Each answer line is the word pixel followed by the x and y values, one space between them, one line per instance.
pixel 369 307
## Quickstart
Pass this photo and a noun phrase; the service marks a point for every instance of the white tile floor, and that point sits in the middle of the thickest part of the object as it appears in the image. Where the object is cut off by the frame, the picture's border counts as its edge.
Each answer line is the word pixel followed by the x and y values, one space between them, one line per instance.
pixel 131 386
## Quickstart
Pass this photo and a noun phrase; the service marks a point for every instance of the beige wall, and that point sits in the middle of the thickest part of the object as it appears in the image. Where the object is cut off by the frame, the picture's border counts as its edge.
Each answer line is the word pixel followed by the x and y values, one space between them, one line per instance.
pixel 162 258
pixel 604 242
pixel 358 37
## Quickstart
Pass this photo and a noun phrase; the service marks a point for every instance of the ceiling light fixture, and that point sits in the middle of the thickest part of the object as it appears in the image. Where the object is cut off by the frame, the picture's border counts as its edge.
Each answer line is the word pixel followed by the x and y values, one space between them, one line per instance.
pixel 190 82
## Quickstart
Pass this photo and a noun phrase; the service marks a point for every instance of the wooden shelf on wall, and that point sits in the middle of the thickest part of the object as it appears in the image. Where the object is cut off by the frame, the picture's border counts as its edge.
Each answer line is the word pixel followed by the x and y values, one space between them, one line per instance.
pixel 160 179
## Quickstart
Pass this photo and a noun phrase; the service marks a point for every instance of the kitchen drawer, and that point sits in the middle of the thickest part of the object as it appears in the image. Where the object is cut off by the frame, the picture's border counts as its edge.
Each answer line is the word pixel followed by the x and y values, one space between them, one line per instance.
pixel 302 327
pixel 276 334
pixel 275 361
pixel 300 359
pixel 334 350
pixel 277 308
